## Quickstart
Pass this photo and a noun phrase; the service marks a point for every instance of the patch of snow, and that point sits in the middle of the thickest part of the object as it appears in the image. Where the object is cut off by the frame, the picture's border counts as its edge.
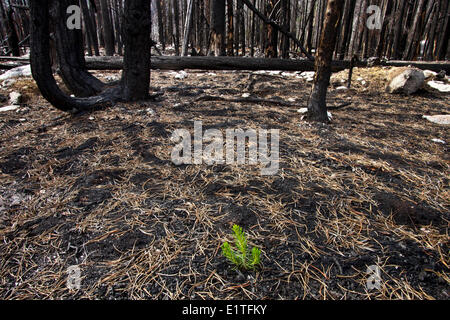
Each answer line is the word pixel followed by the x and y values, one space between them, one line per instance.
pixel 15 98
pixel 440 86
pixel 9 108
pixel 181 75
pixel 288 74
pixel 342 88
pixel 19 72
pixel 308 74
pixel 245 95
pixel 8 83
pixel 428 74
pixel 439 119
pixel 438 141
pixel 150 111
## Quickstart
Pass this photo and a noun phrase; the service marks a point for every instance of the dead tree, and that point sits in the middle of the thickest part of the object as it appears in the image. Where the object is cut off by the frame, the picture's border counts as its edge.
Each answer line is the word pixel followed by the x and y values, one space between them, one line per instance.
pixel 187 28
pixel 136 75
pixel 317 108
pixel 136 26
pixel 218 26
pixel 70 53
pixel 108 31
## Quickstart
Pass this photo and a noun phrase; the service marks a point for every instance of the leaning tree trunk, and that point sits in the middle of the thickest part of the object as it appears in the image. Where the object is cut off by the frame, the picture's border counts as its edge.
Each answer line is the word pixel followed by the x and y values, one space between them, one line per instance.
pixel 317 108
pixel 70 53
pixel 136 26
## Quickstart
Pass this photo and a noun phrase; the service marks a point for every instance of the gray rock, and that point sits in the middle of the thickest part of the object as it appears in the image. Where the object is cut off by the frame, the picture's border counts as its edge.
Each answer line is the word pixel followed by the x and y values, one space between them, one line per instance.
pixel 405 80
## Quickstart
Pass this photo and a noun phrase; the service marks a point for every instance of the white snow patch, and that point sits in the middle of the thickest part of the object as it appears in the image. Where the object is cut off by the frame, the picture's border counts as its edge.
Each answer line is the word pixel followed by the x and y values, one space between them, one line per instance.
pixel 9 108
pixel 440 86
pixel 438 141
pixel 23 71
pixel 439 119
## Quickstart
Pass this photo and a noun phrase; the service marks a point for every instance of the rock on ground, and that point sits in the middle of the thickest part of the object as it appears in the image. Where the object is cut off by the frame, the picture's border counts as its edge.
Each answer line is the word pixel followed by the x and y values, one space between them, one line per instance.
pixel 405 80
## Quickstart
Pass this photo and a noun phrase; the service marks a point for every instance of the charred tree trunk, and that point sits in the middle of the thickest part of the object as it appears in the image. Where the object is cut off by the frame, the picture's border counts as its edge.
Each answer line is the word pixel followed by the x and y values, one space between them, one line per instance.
pixel 70 53
pixel 11 33
pixel 176 16
pixel 161 37
pixel 230 33
pixel 41 65
pixel 108 31
pixel 187 27
pixel 136 26
pixel 90 28
pixel 218 26
pixel 317 108
pixel 271 50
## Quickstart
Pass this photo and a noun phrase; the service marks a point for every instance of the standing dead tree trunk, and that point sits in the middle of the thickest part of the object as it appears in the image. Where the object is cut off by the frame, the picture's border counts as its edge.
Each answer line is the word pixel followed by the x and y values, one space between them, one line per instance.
pixel 136 26
pixel 41 65
pixel 11 32
pixel 90 28
pixel 187 28
pixel 176 17
pixel 413 34
pixel 218 26
pixel 230 33
pixel 108 31
pixel 317 108
pixel 70 53
pixel 136 75
pixel 281 29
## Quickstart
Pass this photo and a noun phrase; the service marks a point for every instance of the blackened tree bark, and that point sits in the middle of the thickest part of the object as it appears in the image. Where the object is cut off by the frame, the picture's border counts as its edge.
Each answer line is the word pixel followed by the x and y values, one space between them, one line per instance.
pixel 136 75
pixel 241 25
pixel 11 32
pixel 90 28
pixel 136 26
pixel 161 37
pixel 41 65
pixel 70 53
pixel 413 32
pixel 271 49
pixel 218 26
pixel 286 11
pixel 108 31
pixel 230 33
pixel 317 108
pixel 187 27
pixel 176 17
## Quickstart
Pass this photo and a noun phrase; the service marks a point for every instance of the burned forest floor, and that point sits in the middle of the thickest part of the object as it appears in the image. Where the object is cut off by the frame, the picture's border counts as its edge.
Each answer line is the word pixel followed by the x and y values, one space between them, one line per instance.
pixel 100 191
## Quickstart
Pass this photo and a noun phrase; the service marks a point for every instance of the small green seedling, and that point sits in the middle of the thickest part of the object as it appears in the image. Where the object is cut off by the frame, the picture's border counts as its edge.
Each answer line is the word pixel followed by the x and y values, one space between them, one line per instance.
pixel 242 258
